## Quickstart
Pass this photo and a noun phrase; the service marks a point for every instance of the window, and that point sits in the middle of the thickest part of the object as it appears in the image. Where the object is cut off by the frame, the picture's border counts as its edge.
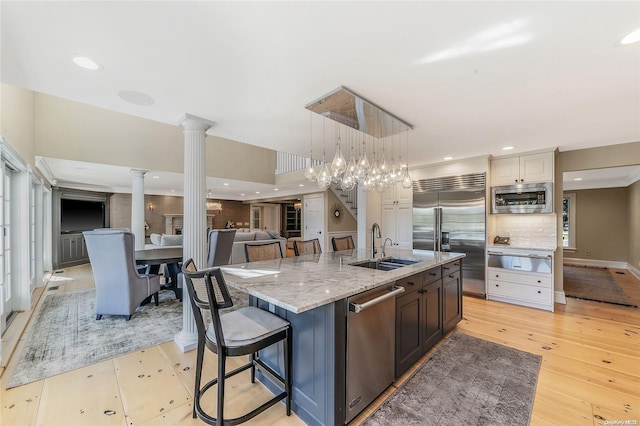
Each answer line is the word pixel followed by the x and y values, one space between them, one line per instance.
pixel 569 221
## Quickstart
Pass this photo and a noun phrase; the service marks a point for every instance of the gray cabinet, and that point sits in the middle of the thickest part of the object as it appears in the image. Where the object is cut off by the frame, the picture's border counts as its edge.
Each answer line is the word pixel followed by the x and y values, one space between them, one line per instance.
pixel 409 319
pixel 72 250
pixel 429 308
pixel 452 295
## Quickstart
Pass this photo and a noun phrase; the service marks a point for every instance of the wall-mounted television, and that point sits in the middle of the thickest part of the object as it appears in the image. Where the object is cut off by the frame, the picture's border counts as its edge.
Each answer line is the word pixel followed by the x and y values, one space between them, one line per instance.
pixel 81 215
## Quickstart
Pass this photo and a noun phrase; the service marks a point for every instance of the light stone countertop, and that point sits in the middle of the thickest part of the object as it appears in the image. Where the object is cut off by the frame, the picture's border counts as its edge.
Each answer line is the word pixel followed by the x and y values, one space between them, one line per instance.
pixel 301 283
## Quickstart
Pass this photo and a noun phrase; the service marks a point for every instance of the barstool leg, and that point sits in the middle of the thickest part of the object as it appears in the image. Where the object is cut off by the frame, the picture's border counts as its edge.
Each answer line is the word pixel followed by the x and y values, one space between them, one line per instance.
pixel 252 358
pixel 288 355
pixel 221 374
pixel 199 360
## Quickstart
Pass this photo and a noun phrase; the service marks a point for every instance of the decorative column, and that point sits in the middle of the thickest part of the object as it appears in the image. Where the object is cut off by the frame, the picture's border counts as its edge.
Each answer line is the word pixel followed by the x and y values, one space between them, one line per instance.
pixel 137 207
pixel 194 229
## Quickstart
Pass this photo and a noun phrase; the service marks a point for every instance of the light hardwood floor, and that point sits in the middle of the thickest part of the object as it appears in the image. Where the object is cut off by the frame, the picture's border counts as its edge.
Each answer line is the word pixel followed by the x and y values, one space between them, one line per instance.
pixel 590 371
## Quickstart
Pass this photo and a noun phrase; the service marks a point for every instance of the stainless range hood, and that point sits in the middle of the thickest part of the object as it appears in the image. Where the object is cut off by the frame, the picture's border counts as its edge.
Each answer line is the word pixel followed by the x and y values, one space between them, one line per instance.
pixel 350 109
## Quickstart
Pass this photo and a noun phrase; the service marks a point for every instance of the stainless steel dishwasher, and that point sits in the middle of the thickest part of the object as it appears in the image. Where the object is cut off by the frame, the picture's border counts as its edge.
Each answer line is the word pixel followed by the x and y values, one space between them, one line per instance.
pixel 370 346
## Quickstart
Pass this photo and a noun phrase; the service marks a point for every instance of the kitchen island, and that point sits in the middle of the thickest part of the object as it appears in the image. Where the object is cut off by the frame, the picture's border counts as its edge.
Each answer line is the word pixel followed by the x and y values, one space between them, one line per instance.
pixel 315 293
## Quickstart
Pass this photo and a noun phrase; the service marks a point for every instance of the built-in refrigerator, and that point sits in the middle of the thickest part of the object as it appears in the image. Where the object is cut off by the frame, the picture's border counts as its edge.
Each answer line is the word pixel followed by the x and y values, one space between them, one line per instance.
pixel 449 214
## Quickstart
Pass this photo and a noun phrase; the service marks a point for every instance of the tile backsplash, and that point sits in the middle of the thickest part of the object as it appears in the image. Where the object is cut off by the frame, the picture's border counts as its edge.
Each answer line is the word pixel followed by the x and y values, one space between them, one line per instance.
pixel 528 230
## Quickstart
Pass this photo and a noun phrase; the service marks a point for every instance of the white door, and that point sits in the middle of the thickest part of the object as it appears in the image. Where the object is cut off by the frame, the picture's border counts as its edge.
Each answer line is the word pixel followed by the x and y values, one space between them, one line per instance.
pixel 314 218
pixel 5 248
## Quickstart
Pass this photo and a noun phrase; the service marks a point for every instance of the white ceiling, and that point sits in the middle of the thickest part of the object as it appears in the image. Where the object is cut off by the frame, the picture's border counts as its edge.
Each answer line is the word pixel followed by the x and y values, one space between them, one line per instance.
pixel 471 77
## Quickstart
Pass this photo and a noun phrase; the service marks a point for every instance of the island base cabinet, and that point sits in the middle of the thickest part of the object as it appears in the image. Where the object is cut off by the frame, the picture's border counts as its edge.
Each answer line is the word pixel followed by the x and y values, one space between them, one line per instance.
pixel 408 330
pixel 452 303
pixel 432 309
pixel 318 362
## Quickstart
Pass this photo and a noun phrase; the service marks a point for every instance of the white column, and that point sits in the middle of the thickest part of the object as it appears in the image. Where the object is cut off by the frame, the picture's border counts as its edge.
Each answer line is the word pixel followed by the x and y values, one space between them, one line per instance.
pixel 137 207
pixel 194 229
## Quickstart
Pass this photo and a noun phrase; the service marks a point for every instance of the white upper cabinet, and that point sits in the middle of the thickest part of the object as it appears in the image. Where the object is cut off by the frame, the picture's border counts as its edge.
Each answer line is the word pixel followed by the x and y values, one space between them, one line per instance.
pixel 523 169
pixel 397 212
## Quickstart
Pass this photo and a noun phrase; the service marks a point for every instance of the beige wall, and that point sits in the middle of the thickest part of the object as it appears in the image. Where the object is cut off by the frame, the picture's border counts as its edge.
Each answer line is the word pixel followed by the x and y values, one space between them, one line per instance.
pixel 634 225
pixel 602 225
pixel 627 154
pixel 75 131
pixel 17 120
pixel 346 223
pixel 120 211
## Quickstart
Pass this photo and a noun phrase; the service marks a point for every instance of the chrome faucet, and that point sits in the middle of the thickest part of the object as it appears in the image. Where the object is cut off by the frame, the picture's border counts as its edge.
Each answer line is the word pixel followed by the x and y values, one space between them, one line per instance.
pixel 385 244
pixel 375 233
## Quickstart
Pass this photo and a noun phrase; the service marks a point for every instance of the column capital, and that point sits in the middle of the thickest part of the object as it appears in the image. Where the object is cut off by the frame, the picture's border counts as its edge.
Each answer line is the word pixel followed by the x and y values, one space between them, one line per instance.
pixel 138 172
pixel 191 122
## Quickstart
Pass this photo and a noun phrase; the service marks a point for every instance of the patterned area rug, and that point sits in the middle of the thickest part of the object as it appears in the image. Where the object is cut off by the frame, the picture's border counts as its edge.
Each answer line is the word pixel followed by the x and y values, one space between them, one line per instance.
pixel 591 283
pixel 66 336
pixel 467 381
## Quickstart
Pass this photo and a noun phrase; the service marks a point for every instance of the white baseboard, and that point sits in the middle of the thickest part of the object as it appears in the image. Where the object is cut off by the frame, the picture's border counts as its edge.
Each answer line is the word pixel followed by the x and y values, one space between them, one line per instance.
pixel 559 297
pixel 594 262
pixel 634 271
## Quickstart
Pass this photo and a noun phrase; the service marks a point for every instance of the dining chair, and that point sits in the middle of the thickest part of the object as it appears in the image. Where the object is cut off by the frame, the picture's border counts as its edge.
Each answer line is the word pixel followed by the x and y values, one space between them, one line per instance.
pixel 220 245
pixel 307 247
pixel 119 286
pixel 266 251
pixel 342 243
pixel 242 332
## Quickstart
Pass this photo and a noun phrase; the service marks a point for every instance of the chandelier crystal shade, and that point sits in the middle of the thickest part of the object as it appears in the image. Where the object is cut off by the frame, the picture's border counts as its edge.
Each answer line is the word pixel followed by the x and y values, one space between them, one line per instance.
pixel 366 141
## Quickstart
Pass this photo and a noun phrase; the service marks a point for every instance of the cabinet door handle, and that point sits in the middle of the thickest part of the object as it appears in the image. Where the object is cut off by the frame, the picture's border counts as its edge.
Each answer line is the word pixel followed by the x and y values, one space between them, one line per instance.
pixel 539 281
pixel 410 283
pixel 433 274
pixel 497 285
pixel 497 276
pixel 451 276
pixel 421 291
pixel 539 292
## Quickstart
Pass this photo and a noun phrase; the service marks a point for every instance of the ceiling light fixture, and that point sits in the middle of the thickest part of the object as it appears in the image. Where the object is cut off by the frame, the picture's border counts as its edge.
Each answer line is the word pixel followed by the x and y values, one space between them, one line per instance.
pixel 156 177
pixel 632 37
pixel 577 179
pixel 507 148
pixel 447 158
pixel 364 132
pixel 86 63
pixel 225 184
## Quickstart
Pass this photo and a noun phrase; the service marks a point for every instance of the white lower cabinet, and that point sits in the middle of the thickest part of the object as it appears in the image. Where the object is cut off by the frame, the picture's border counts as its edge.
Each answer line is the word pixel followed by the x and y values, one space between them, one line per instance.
pixel 531 289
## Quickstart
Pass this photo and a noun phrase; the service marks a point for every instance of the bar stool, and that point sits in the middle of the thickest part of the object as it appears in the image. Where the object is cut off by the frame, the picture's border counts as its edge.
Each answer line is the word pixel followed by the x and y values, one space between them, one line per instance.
pixel 342 243
pixel 244 331
pixel 307 247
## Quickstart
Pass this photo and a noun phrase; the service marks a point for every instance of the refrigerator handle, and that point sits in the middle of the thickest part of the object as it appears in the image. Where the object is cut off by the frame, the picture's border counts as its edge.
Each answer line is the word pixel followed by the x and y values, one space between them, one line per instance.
pixel 437 243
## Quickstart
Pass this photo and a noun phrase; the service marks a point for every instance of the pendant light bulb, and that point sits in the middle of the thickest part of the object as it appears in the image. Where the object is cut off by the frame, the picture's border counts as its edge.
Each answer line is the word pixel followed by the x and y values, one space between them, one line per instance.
pixel 339 164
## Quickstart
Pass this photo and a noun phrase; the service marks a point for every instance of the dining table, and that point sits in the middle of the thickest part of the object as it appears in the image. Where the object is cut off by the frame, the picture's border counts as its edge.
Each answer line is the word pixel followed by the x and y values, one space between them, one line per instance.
pixel 171 256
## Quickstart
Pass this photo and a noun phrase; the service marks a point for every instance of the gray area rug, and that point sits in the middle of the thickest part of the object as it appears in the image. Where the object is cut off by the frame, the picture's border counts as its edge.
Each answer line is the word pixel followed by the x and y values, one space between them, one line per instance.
pixel 591 283
pixel 66 335
pixel 467 381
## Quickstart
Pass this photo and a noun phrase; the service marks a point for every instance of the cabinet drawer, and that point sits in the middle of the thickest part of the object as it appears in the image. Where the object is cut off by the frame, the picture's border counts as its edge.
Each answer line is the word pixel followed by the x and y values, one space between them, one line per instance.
pixel 450 267
pixel 525 292
pixel 450 276
pixel 432 275
pixel 540 280
pixel 412 283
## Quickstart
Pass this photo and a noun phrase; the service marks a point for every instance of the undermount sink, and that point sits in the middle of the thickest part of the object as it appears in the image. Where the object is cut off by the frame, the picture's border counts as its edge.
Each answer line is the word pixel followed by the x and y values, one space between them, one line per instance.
pixel 386 263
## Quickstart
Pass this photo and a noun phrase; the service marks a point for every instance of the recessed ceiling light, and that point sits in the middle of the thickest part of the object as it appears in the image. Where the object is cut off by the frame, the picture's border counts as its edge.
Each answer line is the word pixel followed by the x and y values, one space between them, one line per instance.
pixel 225 184
pixel 173 190
pixel 448 157
pixel 86 63
pixel 302 184
pixel 577 179
pixel 507 148
pixel 257 192
pixel 136 98
pixel 156 177
pixel 242 195
pixel 632 37
pixel 275 189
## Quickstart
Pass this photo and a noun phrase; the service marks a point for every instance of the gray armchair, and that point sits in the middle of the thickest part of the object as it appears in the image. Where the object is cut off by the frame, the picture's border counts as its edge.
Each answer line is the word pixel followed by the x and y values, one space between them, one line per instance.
pixel 220 245
pixel 119 286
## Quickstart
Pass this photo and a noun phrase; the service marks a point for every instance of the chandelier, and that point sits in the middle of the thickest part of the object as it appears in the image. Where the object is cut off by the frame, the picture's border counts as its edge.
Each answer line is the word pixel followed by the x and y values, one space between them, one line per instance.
pixel 367 140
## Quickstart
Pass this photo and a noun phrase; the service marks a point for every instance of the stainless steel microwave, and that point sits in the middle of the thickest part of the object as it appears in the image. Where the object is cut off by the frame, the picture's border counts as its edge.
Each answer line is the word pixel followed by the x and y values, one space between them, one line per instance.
pixel 522 198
